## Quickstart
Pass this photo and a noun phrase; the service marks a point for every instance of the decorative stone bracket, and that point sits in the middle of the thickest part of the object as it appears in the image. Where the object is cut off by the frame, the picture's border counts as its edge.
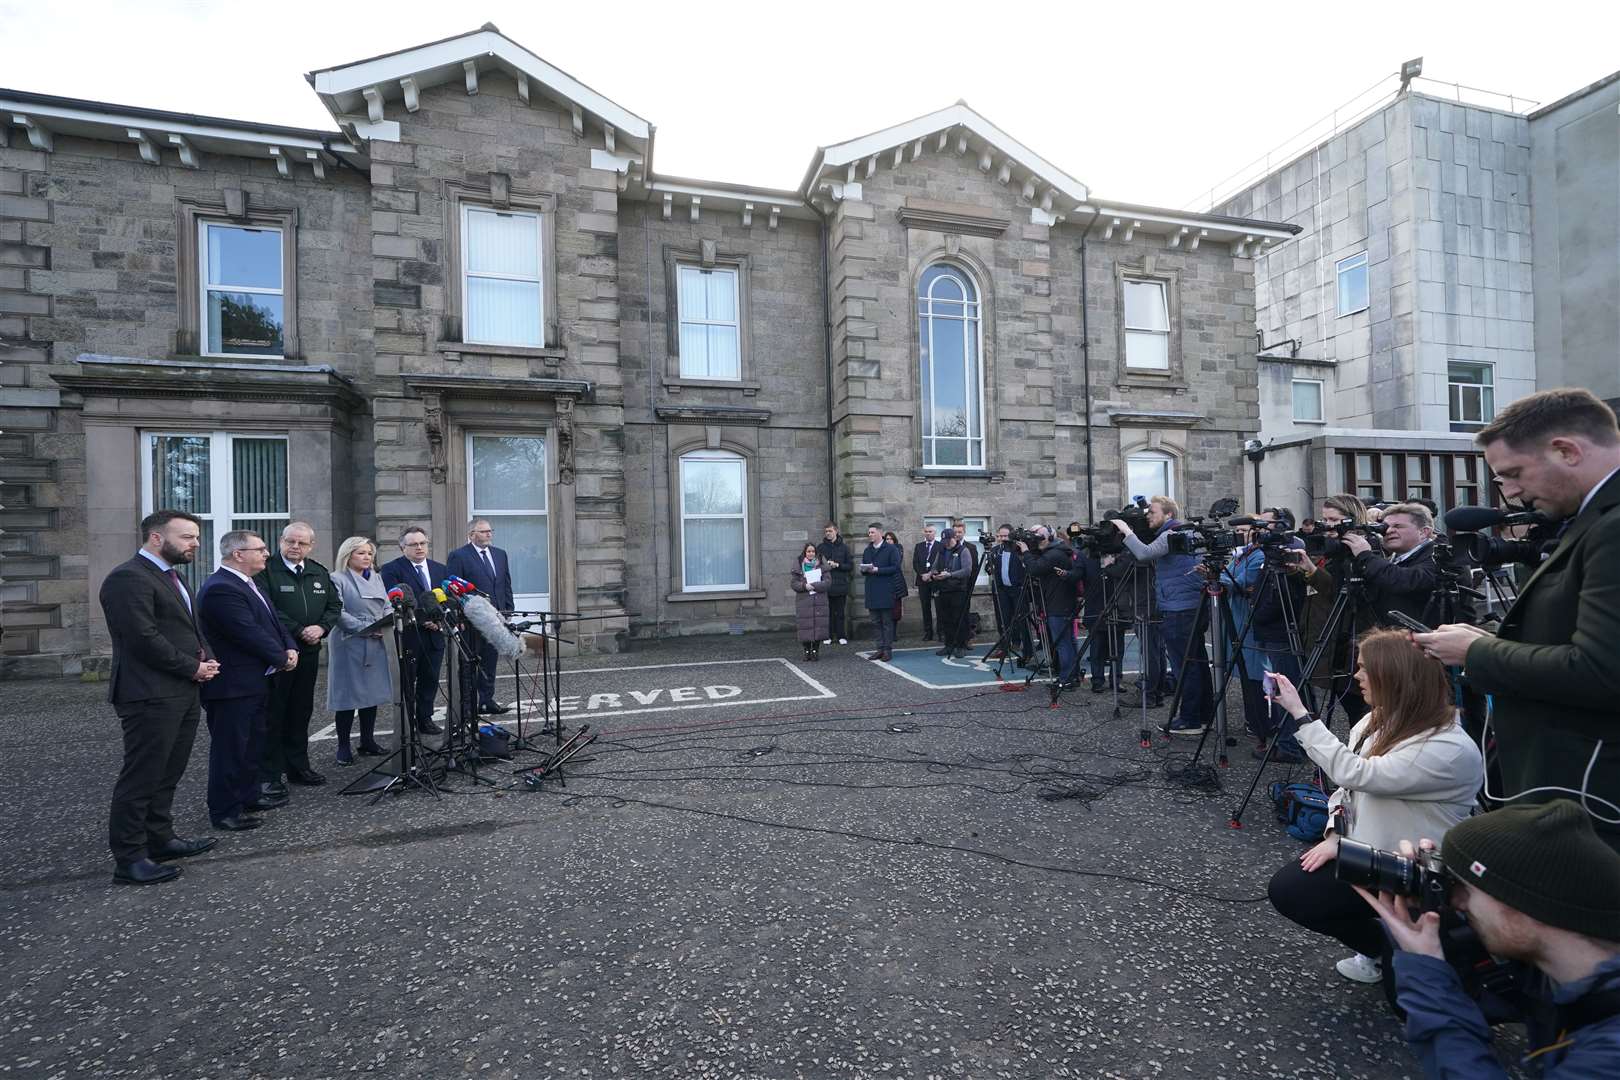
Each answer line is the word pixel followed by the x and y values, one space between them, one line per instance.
pixel 436 390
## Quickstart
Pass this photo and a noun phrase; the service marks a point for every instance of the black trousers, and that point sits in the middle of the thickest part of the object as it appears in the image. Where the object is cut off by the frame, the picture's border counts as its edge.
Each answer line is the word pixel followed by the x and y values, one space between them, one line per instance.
pixel 428 664
pixel 925 597
pixel 235 736
pixel 158 734
pixel 1100 650
pixel 1012 618
pixel 286 724
pixel 952 618
pixel 1319 901
pixel 488 662
pixel 837 619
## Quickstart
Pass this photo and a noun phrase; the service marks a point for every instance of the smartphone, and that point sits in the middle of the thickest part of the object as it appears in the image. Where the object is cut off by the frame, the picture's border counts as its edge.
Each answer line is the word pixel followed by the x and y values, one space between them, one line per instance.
pixel 1410 623
pixel 1268 682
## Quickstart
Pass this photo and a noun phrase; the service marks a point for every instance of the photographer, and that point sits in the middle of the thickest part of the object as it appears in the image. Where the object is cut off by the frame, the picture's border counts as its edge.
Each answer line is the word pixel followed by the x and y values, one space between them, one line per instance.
pixel 1095 589
pixel 1404 577
pixel 1553 667
pixel 1539 887
pixel 1321 578
pixel 1006 565
pixel 1179 589
pixel 1265 604
pixel 1409 770
pixel 952 579
pixel 1051 563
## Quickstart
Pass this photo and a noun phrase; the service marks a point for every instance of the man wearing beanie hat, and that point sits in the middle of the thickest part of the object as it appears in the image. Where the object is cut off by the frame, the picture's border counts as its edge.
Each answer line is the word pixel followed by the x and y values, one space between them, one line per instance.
pixel 1539 887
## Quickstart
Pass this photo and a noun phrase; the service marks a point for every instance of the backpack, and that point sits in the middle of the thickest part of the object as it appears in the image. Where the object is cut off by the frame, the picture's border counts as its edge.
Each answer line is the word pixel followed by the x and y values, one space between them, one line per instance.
pixel 1303 808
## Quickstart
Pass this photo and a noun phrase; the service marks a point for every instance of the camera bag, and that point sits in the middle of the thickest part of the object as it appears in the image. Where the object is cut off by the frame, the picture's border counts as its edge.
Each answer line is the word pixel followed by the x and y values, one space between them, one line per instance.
pixel 1302 808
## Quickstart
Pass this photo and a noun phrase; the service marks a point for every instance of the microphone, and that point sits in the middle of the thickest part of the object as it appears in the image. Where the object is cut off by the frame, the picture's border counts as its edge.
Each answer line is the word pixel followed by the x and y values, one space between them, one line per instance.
pixel 1475 518
pixel 482 614
pixel 458 585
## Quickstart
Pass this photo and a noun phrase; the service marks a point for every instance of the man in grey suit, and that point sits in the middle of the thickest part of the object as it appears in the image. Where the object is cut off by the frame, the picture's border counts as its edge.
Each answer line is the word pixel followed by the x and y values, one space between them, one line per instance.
pixel 159 660
pixel 1553 667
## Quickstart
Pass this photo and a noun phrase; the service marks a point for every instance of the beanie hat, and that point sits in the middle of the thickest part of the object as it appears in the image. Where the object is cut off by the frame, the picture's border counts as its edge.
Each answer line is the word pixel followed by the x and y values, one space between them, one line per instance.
pixel 1544 860
pixel 948 534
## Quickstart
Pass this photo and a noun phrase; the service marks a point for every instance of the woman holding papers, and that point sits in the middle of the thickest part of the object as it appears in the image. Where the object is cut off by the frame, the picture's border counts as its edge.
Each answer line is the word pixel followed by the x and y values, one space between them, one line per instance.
pixel 811 581
pixel 359 674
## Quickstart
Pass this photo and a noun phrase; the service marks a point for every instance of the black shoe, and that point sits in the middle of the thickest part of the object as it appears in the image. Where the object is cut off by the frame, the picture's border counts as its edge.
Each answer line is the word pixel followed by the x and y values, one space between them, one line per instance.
pixel 181 849
pixel 143 872
pixel 494 708
pixel 946 651
pixel 1154 701
pixel 428 727
pixel 1099 687
pixel 265 802
pixel 237 823
pixel 345 757
pixel 274 789
pixel 370 749
pixel 303 774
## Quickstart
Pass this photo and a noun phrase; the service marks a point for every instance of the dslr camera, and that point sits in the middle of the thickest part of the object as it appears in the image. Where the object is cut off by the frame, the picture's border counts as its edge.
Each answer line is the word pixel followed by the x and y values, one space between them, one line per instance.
pixel 1422 878
pixel 1327 541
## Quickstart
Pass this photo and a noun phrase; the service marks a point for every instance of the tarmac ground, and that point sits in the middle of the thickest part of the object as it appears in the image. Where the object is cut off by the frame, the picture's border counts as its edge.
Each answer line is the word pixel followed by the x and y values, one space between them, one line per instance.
pixel 761 868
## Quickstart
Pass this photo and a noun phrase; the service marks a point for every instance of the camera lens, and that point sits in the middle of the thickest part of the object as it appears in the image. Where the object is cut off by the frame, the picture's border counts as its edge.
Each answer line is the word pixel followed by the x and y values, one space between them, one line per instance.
pixel 1377 871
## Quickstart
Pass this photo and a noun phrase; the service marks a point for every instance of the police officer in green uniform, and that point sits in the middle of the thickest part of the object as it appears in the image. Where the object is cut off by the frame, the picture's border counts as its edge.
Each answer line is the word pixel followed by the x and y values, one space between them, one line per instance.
pixel 301 591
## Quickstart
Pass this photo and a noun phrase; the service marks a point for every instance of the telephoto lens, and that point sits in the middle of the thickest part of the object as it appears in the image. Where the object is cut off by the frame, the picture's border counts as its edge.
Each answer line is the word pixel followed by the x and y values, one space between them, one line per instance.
pixel 1422 878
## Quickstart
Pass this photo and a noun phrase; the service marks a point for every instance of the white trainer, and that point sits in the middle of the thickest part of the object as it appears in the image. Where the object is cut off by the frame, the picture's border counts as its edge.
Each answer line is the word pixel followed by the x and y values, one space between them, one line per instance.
pixel 843 641
pixel 827 641
pixel 1359 968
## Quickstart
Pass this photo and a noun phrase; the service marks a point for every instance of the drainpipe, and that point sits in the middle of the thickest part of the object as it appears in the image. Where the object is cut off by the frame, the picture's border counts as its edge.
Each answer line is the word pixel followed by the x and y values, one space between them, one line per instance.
pixel 1085 369
pixel 826 348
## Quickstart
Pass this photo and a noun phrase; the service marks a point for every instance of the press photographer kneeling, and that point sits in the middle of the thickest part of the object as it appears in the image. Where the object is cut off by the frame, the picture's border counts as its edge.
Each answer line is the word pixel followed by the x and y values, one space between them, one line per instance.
pixel 1409 770
pixel 1538 887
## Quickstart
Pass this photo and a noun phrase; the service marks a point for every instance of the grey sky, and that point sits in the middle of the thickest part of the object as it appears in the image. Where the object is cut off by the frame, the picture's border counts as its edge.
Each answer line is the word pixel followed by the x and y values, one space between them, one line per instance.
pixel 1147 102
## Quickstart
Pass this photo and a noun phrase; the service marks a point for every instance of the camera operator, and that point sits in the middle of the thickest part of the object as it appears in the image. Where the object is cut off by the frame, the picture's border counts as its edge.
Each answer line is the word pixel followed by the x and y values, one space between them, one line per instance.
pixel 1553 667
pixel 1179 588
pixel 1538 887
pixel 1404 577
pixel 952 578
pixel 1265 604
pixel 1409 769
pixel 1095 589
pixel 1006 563
pixel 1321 578
pixel 1051 563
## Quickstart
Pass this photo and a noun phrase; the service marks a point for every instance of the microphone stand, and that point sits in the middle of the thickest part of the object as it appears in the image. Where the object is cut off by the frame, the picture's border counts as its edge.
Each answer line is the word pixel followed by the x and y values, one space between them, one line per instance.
pixel 459 754
pixel 374 781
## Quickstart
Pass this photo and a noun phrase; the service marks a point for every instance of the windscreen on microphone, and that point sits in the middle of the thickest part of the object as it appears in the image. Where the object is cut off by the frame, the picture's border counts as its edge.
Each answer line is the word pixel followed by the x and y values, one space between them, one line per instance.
pixel 440 595
pixel 428 609
pixel 1474 518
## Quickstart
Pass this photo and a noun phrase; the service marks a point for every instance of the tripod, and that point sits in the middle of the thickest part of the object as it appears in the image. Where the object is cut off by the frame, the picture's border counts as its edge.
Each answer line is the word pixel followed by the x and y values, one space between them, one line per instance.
pixel 1211 612
pixel 411 772
pixel 1029 609
pixel 459 753
pixel 1137 586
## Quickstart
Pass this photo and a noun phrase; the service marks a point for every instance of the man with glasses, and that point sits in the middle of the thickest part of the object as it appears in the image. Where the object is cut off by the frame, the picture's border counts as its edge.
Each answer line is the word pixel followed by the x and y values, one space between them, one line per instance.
pixel 252 645
pixel 300 590
pixel 413 570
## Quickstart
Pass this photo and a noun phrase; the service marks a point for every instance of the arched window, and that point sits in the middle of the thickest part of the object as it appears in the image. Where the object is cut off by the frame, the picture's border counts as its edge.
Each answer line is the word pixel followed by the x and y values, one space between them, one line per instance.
pixel 952 373
pixel 714 521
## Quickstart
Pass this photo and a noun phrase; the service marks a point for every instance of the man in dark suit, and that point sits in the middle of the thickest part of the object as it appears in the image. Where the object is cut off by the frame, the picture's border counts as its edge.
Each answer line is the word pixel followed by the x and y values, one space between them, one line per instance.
pixel 159 658
pixel 1403 577
pixel 486 566
pixel 300 589
pixel 922 562
pixel 413 570
pixel 252 645
pixel 1553 667
pixel 1006 566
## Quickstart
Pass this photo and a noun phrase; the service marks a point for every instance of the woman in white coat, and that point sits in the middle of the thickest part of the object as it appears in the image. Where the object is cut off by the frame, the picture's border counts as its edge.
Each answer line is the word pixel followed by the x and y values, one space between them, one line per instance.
pixel 1409 771
pixel 359 673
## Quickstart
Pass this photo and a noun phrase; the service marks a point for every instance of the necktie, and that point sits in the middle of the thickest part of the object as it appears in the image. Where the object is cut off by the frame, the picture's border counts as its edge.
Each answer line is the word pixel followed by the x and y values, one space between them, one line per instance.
pixel 174 579
pixel 489 564
pixel 421 573
pixel 298 571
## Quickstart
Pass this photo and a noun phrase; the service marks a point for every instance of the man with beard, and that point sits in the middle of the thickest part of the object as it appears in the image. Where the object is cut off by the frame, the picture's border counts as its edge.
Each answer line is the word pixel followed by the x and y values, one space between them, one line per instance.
pixel 159 659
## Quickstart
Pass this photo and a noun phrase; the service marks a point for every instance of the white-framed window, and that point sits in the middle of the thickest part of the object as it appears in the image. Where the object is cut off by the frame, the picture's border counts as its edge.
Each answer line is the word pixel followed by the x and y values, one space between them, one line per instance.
pixel 952 374
pixel 1149 473
pixel 230 480
pixel 1352 277
pixel 507 483
pixel 1472 390
pixel 243 289
pixel 711 339
pixel 971 526
pixel 1308 401
pixel 502 299
pixel 714 521
pixel 1147 325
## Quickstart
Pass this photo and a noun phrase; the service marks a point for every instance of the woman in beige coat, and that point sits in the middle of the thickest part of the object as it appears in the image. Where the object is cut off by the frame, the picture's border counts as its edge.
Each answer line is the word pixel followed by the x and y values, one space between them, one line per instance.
pixel 1409 771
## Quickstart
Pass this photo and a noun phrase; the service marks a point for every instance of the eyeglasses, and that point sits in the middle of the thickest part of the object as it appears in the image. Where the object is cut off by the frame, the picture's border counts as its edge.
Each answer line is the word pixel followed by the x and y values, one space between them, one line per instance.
pixel 255 551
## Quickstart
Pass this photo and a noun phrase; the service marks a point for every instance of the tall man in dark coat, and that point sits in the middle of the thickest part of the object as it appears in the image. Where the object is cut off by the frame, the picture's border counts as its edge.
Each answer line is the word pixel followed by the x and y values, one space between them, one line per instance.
pixel 159 658
pixel 881 566
pixel 487 567
pixel 1005 564
pixel 922 561
pixel 835 556
pixel 300 589
pixel 252 645
pixel 425 640
pixel 1553 667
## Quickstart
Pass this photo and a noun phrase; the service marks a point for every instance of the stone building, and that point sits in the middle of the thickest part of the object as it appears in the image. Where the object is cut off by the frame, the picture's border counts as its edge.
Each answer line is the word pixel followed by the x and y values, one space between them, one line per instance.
pixel 477 295
pixel 1426 288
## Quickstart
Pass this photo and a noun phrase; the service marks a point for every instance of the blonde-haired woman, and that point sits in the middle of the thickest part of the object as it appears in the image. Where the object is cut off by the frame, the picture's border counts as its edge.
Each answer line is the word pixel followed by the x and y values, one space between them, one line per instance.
pixel 360 675
pixel 1408 771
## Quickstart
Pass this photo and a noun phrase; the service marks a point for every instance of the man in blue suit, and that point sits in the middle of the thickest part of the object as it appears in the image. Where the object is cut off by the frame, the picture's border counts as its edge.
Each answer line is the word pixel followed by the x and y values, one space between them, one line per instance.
pixel 413 570
pixel 486 566
pixel 251 645
pixel 881 565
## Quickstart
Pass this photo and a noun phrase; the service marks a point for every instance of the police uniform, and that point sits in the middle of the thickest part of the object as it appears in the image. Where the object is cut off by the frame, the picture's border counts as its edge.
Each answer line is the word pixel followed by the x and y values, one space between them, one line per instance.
pixel 301 599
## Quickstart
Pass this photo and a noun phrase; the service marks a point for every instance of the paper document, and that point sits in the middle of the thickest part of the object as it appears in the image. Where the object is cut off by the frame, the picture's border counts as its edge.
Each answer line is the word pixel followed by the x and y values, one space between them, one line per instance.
pixel 812 575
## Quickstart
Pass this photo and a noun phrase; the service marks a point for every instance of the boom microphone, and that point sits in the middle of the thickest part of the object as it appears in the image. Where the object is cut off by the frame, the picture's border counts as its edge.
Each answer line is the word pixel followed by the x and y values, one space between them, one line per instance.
pixel 481 613
pixel 1475 518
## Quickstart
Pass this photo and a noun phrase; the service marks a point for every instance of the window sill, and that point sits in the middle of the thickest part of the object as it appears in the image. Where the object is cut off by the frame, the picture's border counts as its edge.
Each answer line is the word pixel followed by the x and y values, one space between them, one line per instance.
pixel 734 594
pixel 454 350
pixel 1143 380
pixel 921 475
pixel 675 385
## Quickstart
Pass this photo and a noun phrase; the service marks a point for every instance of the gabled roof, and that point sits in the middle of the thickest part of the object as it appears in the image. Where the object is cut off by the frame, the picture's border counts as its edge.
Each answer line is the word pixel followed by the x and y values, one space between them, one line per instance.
pixel 363 85
pixel 956 128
